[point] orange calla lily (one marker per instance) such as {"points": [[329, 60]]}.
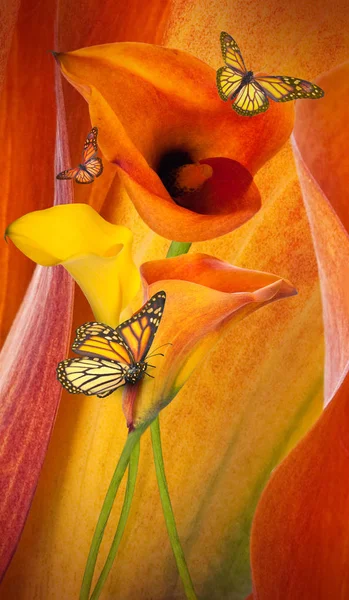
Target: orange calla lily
{"points": [[204, 295], [188, 165]]}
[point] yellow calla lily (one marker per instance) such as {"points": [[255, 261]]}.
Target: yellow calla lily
{"points": [[96, 253]]}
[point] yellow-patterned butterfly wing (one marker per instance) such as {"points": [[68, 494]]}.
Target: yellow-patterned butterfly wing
{"points": [[250, 93], [138, 332], [283, 88], [231, 53], [251, 100], [228, 82], [91, 376], [110, 357], [105, 344]]}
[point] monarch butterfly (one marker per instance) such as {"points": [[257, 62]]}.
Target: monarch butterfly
{"points": [[249, 93], [91, 165], [112, 357]]}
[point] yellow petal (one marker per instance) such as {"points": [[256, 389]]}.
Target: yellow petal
{"points": [[96, 253]]}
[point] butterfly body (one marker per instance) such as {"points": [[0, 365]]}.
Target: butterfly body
{"points": [[246, 79], [136, 372], [111, 358], [249, 92], [91, 166]]}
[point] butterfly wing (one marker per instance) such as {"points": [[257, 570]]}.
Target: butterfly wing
{"points": [[101, 341], [251, 100], [228, 82], [231, 53], [90, 146], [138, 332], [91, 376], [68, 174], [91, 328], [283, 88], [94, 166]]}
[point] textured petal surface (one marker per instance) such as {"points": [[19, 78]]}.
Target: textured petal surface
{"points": [[300, 532], [29, 393], [320, 138], [27, 131]]}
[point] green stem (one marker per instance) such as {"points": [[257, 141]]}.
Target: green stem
{"points": [[132, 440], [177, 248], [168, 512], [131, 483]]}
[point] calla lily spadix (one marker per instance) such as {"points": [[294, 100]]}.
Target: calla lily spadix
{"points": [[188, 165], [96, 253]]}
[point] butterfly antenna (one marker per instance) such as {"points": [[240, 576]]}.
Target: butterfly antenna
{"points": [[158, 348], [151, 376], [159, 354], [152, 366]]}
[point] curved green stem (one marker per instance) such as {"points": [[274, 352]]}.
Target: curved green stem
{"points": [[177, 248], [132, 440], [168, 512], [131, 484]]}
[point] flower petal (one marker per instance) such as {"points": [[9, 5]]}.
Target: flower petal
{"points": [[96, 253], [30, 396], [300, 531], [186, 123], [323, 167], [27, 140]]}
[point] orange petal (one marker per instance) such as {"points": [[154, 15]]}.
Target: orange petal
{"points": [[187, 123], [300, 531], [8, 21], [30, 396], [195, 284], [27, 143], [320, 134]]}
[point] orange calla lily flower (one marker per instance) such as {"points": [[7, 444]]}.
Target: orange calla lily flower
{"points": [[204, 295], [188, 165]]}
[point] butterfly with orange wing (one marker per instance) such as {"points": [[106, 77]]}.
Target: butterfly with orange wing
{"points": [[250, 93], [91, 165], [110, 358]]}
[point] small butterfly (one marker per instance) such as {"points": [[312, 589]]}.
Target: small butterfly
{"points": [[249, 93], [112, 357], [91, 165]]}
